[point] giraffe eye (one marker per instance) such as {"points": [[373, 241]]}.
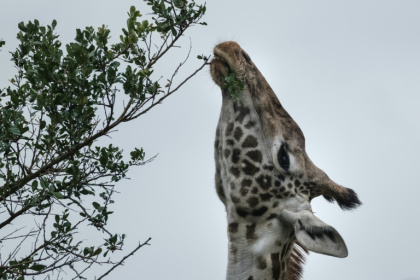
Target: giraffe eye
{"points": [[283, 158]]}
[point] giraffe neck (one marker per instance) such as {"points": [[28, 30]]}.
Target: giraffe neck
{"points": [[258, 250]]}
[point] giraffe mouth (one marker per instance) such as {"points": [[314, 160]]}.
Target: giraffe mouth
{"points": [[220, 60], [230, 58], [219, 69], [218, 57]]}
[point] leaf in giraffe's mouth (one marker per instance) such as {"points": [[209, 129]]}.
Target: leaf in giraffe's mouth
{"points": [[229, 81], [220, 59], [232, 84]]}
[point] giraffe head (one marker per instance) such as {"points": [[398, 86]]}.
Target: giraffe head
{"points": [[264, 170]]}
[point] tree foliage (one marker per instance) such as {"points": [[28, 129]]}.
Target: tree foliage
{"points": [[55, 179]]}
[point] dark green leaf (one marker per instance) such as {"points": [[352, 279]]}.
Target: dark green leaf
{"points": [[22, 26], [57, 195], [97, 252], [37, 267], [34, 185]]}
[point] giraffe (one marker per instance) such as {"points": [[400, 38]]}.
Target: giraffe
{"points": [[266, 180]]}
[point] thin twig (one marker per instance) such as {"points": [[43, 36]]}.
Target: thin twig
{"points": [[168, 94], [123, 259]]}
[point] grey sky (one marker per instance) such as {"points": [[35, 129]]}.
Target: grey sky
{"points": [[349, 74]]}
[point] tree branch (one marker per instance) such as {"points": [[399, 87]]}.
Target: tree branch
{"points": [[124, 258]]}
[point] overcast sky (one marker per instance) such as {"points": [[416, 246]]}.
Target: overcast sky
{"points": [[349, 74]]}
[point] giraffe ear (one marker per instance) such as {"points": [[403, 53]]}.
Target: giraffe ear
{"points": [[315, 235]]}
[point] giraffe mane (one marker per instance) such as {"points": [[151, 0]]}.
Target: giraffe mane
{"points": [[295, 262]]}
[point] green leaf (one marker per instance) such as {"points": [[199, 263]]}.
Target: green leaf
{"points": [[37, 267], [137, 154], [14, 130], [87, 251], [180, 4], [43, 183], [34, 185], [57, 195], [114, 64], [113, 239], [97, 252], [22, 26], [232, 84]]}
